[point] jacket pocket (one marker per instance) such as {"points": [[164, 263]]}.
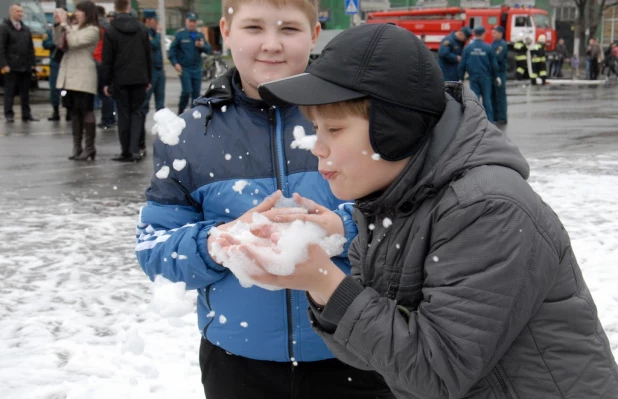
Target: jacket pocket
{"points": [[503, 388]]}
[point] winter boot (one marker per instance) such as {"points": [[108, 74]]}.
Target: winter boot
{"points": [[78, 128], [55, 116], [91, 130]]}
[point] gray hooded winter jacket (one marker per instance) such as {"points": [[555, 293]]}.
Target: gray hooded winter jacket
{"points": [[474, 290]]}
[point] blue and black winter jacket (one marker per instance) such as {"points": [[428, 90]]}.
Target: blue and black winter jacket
{"points": [[181, 209]]}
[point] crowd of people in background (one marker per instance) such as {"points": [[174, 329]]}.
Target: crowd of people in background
{"points": [[112, 61]]}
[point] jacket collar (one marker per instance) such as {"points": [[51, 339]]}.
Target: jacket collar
{"points": [[228, 89]]}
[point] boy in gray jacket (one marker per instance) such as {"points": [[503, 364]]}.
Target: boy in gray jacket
{"points": [[464, 282]]}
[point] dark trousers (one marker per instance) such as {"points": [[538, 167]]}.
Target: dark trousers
{"points": [[191, 83], [482, 87], [226, 376], [54, 94], [499, 99], [107, 103], [594, 69], [17, 82], [129, 101], [555, 68]]}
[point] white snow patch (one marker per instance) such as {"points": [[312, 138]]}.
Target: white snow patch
{"points": [[230, 11], [170, 299], [222, 319], [179, 164], [387, 223], [168, 126], [228, 157], [435, 259], [239, 186], [163, 172], [244, 324], [301, 140], [224, 108], [196, 114], [376, 156]]}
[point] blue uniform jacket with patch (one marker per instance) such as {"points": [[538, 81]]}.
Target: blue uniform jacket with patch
{"points": [[155, 45], [450, 49], [173, 227], [478, 60], [501, 50], [183, 50]]}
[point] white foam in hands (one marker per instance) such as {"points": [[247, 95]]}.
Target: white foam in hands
{"points": [[301, 140], [168, 126], [280, 258]]}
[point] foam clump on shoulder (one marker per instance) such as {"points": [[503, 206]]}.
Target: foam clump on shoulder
{"points": [[285, 246], [168, 126]]}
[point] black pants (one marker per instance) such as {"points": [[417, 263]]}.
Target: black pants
{"points": [[17, 82], [594, 69], [129, 101], [226, 376]]}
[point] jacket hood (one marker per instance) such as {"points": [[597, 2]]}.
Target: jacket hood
{"points": [[463, 139], [126, 23]]}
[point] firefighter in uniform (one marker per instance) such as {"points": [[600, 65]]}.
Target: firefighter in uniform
{"points": [[479, 61], [521, 59], [449, 53], [186, 56], [501, 52], [539, 61]]}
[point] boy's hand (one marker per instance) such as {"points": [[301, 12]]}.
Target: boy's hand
{"points": [[318, 214], [318, 274], [247, 217]]}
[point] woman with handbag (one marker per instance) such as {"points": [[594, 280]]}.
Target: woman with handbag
{"points": [[77, 77]]}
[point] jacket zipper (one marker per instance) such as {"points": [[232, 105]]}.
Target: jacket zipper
{"points": [[505, 389], [207, 296], [274, 116]]}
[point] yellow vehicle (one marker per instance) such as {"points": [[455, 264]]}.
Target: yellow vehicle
{"points": [[34, 19]]}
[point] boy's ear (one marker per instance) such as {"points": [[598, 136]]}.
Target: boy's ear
{"points": [[225, 30], [315, 34]]}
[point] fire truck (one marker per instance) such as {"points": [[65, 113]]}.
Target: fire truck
{"points": [[436, 23]]}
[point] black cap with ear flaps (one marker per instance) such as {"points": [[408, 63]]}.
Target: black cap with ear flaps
{"points": [[386, 63]]}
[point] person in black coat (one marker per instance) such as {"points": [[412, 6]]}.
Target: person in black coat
{"points": [[127, 71], [16, 63]]}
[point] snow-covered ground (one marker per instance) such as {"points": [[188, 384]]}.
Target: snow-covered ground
{"points": [[74, 305]]}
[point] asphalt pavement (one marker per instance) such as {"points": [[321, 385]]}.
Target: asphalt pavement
{"points": [[544, 121]]}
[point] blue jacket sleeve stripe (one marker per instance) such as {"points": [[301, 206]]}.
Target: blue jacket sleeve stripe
{"points": [[172, 242]]}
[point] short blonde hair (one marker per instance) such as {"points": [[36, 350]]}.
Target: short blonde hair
{"points": [[359, 107], [308, 7]]}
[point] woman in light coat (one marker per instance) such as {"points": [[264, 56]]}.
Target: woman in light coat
{"points": [[77, 76]]}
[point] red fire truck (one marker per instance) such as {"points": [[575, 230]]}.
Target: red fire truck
{"points": [[436, 23]]}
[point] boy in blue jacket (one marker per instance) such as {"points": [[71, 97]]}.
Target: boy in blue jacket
{"points": [[255, 343]]}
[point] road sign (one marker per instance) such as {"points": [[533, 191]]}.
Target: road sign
{"points": [[324, 16], [351, 7]]}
